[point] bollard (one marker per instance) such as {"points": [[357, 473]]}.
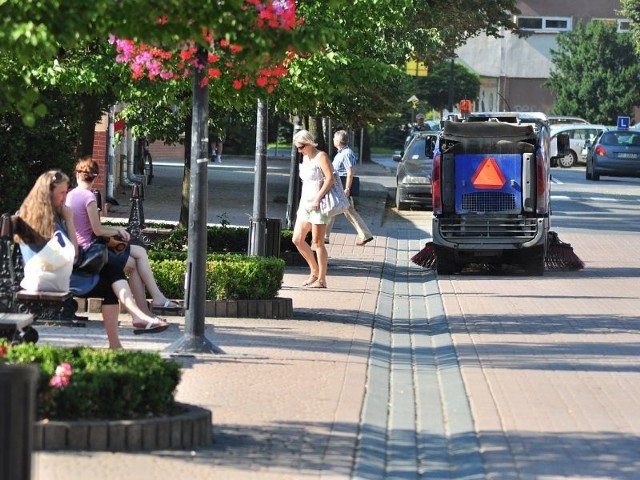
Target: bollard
{"points": [[17, 416]]}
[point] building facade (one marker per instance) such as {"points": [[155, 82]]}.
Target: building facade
{"points": [[512, 69]]}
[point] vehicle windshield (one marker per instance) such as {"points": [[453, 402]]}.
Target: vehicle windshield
{"points": [[621, 138], [422, 147]]}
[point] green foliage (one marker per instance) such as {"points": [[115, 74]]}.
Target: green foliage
{"points": [[631, 9], [219, 239], [596, 72], [228, 277], [27, 152], [104, 384], [466, 84]]}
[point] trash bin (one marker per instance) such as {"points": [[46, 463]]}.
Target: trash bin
{"points": [[274, 231], [17, 415]]}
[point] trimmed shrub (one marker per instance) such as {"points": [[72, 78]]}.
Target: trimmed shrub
{"points": [[100, 384], [228, 276]]}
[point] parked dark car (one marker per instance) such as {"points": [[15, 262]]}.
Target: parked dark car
{"points": [[413, 176], [615, 152]]}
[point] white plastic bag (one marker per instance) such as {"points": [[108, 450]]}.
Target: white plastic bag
{"points": [[50, 269]]}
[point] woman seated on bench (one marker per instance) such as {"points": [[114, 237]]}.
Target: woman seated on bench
{"points": [[133, 259], [42, 213]]}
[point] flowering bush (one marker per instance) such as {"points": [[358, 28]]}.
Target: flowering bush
{"points": [[86, 383], [154, 62]]}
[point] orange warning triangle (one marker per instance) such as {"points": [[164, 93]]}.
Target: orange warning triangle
{"points": [[488, 175]]}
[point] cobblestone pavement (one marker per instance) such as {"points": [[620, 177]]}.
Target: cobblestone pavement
{"points": [[393, 373]]}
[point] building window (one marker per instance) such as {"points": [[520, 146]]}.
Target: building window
{"points": [[544, 24], [624, 24]]}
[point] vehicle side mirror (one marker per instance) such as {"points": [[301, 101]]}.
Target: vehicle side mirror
{"points": [[563, 144], [397, 156]]}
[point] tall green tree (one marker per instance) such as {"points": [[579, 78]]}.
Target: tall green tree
{"points": [[435, 87], [631, 9], [596, 73]]}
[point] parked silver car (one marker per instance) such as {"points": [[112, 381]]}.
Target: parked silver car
{"points": [[578, 135], [616, 153], [413, 176]]}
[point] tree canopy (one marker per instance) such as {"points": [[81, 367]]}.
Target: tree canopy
{"points": [[596, 73]]}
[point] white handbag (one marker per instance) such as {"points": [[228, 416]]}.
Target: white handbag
{"points": [[334, 201]]}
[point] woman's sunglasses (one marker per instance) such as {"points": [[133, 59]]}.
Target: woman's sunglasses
{"points": [[56, 178]]}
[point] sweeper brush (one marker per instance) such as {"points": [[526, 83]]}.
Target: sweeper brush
{"points": [[560, 256]]}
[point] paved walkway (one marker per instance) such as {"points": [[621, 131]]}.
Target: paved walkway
{"points": [[391, 373]]}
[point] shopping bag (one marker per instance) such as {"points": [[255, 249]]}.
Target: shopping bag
{"points": [[50, 269]]}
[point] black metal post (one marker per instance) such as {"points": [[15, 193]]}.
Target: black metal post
{"points": [[451, 86], [293, 197], [259, 219], [193, 339]]}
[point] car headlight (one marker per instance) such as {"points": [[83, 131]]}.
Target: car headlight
{"points": [[416, 180]]}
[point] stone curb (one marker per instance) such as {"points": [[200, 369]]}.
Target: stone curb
{"points": [[190, 429]]}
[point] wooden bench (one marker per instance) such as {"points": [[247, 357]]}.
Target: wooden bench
{"points": [[49, 307]]}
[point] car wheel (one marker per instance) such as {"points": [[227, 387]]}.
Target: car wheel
{"points": [[587, 173], [595, 176], [400, 205], [569, 160]]}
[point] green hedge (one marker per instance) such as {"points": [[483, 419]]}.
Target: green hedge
{"points": [[220, 240], [104, 384], [229, 276]]}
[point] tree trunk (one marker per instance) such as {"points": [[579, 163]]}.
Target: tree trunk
{"points": [[365, 155], [90, 114], [315, 127]]}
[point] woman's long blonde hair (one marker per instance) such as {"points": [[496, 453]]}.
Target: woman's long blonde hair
{"points": [[37, 215]]}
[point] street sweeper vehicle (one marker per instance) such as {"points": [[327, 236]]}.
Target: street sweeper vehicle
{"points": [[491, 197]]}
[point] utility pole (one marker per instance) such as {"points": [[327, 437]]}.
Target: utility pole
{"points": [[258, 229], [451, 80], [294, 180], [193, 340]]}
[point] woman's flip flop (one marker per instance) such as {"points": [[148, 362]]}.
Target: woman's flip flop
{"points": [[156, 326], [168, 305]]}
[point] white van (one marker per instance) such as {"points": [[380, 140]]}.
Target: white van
{"points": [[578, 134]]}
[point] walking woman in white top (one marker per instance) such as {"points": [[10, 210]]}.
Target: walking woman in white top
{"points": [[316, 173]]}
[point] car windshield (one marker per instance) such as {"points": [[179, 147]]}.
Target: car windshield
{"points": [[422, 147], [621, 138]]}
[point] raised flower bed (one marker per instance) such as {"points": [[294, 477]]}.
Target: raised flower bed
{"points": [[94, 399]]}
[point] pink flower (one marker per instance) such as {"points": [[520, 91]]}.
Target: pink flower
{"points": [[64, 370], [59, 382], [62, 376]]}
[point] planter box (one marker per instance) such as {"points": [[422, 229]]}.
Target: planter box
{"points": [[191, 428], [271, 308]]}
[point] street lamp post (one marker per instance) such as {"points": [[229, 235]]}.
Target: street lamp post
{"points": [[193, 341]]}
